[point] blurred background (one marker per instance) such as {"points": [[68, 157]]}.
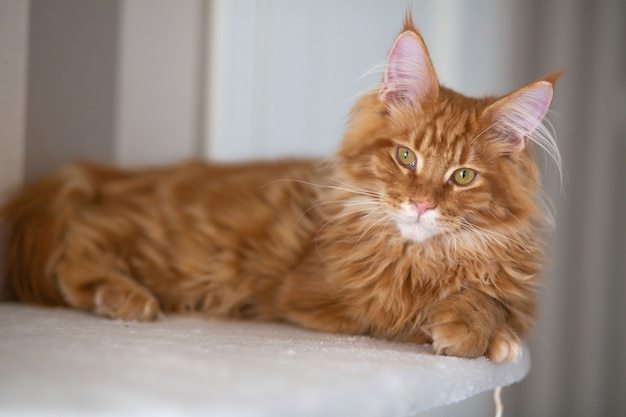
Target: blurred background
{"points": [[138, 82]]}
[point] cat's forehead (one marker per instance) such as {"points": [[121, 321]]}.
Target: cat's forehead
{"points": [[447, 132]]}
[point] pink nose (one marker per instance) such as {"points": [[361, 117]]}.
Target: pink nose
{"points": [[422, 207]]}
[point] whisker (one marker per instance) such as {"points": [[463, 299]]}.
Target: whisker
{"points": [[488, 128], [367, 213], [331, 187], [344, 203], [377, 69], [354, 187], [384, 218], [342, 215], [486, 235]]}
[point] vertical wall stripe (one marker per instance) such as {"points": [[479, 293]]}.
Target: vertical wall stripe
{"points": [[71, 83], [159, 81], [13, 65]]}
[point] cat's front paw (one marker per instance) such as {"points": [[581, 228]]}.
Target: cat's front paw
{"points": [[453, 335], [504, 346], [126, 302], [470, 328], [457, 337]]}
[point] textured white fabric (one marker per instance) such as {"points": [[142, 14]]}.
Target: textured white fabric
{"points": [[65, 362]]}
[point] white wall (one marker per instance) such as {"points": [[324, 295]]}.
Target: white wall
{"points": [[283, 74]]}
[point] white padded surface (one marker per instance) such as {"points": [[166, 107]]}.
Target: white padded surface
{"points": [[62, 362]]}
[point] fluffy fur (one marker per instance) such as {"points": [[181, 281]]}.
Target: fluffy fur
{"points": [[361, 243]]}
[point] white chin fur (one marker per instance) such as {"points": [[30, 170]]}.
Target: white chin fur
{"points": [[421, 230]]}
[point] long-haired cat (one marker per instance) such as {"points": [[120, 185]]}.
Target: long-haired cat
{"points": [[422, 227]]}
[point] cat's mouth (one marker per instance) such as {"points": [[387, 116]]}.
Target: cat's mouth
{"points": [[418, 227]]}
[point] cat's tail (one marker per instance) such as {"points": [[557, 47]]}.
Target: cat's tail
{"points": [[36, 222]]}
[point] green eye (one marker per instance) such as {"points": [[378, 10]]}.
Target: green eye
{"points": [[406, 157], [464, 176]]}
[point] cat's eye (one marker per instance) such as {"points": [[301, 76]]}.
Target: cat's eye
{"points": [[464, 176], [406, 157]]}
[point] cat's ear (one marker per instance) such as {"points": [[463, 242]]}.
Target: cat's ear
{"points": [[516, 116], [409, 74]]}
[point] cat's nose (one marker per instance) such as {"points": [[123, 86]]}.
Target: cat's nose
{"points": [[422, 207]]}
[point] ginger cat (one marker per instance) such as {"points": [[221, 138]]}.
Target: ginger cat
{"points": [[424, 226]]}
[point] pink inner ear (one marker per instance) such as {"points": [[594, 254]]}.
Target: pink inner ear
{"points": [[519, 115], [409, 74]]}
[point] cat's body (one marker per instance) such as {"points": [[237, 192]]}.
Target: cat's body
{"points": [[423, 227]]}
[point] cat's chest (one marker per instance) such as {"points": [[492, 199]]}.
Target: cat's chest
{"points": [[395, 289], [403, 269], [427, 271]]}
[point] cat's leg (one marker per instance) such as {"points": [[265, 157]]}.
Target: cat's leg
{"points": [[472, 324], [310, 304], [103, 289], [323, 315]]}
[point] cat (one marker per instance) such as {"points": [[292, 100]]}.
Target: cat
{"points": [[425, 226]]}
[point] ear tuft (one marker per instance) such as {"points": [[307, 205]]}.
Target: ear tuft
{"points": [[408, 24], [409, 74]]}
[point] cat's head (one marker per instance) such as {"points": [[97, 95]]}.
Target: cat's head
{"points": [[430, 161]]}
